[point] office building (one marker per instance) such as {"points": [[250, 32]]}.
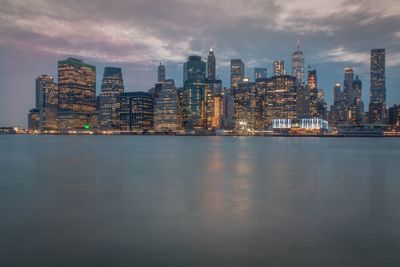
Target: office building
{"points": [[76, 94], [260, 73], [298, 64], [194, 77], [281, 98], [161, 73], [377, 105], [166, 108], [279, 68], [312, 84], [136, 111], [111, 88], [211, 66], [47, 102], [237, 72]]}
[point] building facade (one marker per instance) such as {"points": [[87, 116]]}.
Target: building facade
{"points": [[166, 109], [111, 88], [194, 77], [260, 73], [281, 98], [136, 111], [279, 68], [47, 102], [211, 66], [237, 72], [76, 94], [161, 73], [377, 105]]}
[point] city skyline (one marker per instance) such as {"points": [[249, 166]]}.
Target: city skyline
{"points": [[332, 43]]}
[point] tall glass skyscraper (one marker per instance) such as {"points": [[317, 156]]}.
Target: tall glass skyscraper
{"points": [[111, 88], [348, 86], [76, 94], [161, 73], [211, 66], [136, 111], [47, 102], [194, 78], [378, 86], [237, 72], [166, 108], [298, 64]]}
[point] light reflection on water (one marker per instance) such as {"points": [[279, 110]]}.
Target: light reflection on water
{"points": [[199, 201]]}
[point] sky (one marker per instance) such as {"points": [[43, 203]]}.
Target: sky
{"points": [[138, 34]]}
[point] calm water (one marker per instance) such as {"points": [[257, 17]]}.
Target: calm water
{"points": [[199, 201]]}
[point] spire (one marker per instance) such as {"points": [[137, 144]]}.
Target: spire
{"points": [[298, 42]]}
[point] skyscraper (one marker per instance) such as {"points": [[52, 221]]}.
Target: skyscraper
{"points": [[312, 84], [378, 86], [260, 73], [194, 79], [298, 64], [281, 98], [358, 104], [111, 88], [166, 108], [46, 102], [136, 111], [161, 73], [348, 86], [279, 68], [76, 94], [237, 72], [211, 66]]}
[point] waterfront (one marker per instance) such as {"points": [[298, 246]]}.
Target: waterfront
{"points": [[199, 201]]}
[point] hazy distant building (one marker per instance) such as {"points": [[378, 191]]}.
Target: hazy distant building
{"points": [[211, 66], [357, 114], [237, 72], [76, 94], [166, 108], [161, 73], [279, 68], [111, 88], [136, 111], [377, 105], [194, 79], [47, 102], [260, 73], [298, 64]]}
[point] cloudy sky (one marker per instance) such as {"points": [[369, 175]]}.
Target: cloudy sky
{"points": [[137, 34]]}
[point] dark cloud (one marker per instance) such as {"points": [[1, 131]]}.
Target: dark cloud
{"points": [[136, 35]]}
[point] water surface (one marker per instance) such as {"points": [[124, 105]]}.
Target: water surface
{"points": [[199, 201]]}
